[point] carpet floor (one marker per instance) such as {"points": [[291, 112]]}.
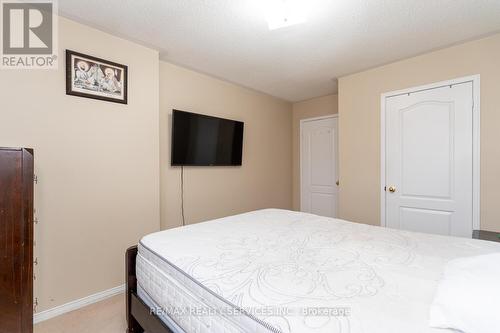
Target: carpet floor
{"points": [[107, 316]]}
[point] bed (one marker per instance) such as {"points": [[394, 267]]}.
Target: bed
{"points": [[281, 271]]}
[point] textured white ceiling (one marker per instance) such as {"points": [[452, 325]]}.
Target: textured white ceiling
{"points": [[230, 39]]}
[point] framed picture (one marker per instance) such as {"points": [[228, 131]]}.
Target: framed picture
{"points": [[91, 77]]}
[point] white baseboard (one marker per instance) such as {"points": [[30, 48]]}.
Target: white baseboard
{"points": [[77, 304]]}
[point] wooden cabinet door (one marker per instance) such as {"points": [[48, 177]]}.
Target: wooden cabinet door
{"points": [[16, 241]]}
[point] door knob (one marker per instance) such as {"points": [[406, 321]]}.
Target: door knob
{"points": [[392, 189], [337, 182]]}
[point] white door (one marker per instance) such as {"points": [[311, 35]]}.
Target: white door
{"points": [[318, 154], [429, 160]]}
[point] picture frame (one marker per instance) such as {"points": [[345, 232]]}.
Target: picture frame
{"points": [[96, 78]]}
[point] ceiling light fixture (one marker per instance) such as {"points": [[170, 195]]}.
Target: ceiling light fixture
{"points": [[284, 13]]}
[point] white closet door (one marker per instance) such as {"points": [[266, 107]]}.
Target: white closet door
{"points": [[319, 166], [429, 156]]}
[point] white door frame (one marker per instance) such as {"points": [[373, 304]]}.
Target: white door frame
{"points": [[302, 121], [476, 128]]}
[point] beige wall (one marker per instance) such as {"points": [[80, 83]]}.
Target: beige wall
{"points": [[265, 178], [316, 107], [359, 119], [97, 163]]}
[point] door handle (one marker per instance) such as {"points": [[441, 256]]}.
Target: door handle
{"points": [[337, 182], [392, 189]]}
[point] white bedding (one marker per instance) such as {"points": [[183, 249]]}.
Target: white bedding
{"points": [[283, 261]]}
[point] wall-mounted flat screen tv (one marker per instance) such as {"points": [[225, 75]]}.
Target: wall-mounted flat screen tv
{"points": [[200, 140]]}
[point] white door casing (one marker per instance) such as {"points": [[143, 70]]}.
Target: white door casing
{"points": [[431, 159], [319, 165]]}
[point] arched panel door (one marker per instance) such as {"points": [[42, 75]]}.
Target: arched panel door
{"points": [[319, 166], [429, 161]]}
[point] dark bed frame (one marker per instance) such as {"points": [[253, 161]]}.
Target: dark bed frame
{"points": [[140, 318]]}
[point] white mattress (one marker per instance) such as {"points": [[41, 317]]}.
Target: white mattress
{"points": [[274, 264]]}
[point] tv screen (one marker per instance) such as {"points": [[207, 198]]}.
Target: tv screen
{"points": [[204, 140]]}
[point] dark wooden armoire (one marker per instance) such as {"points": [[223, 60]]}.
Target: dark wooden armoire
{"points": [[16, 240]]}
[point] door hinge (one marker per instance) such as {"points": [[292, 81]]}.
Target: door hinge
{"points": [[35, 179]]}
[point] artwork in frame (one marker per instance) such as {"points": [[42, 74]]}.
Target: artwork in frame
{"points": [[92, 77]]}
